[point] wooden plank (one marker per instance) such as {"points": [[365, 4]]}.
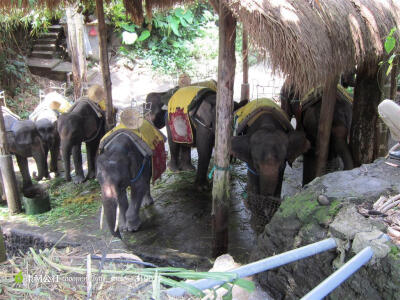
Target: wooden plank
{"points": [[226, 76], [325, 124]]}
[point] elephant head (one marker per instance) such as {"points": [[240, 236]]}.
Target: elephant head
{"points": [[266, 153], [47, 131]]}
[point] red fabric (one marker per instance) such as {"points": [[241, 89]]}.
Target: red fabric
{"points": [[92, 32], [159, 160], [181, 129]]}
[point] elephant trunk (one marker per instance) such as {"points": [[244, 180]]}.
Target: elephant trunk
{"points": [[40, 158], [269, 179]]}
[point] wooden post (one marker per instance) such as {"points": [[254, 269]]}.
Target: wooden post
{"points": [[77, 49], [363, 134], [245, 92], [226, 77], [325, 124], [7, 172], [3, 256], [105, 68]]}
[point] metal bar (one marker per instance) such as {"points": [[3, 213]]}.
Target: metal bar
{"points": [[263, 265], [333, 281]]}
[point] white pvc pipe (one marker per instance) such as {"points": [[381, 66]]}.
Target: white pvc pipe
{"points": [[333, 281], [262, 265]]}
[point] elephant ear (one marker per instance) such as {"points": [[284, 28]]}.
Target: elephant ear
{"points": [[298, 144], [241, 148]]}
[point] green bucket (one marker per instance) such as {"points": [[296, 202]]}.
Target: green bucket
{"points": [[37, 205]]}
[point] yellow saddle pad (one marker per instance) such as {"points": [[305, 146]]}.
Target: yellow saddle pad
{"points": [[183, 97], [246, 115], [147, 132]]}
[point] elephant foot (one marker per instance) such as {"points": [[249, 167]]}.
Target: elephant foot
{"points": [[79, 179], [202, 186], [187, 167], [147, 200], [90, 175], [133, 226], [31, 191], [173, 167], [68, 178]]}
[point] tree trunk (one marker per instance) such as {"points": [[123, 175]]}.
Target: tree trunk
{"points": [[7, 172], [77, 49], [364, 133], [245, 92], [325, 124], [105, 68], [224, 106]]}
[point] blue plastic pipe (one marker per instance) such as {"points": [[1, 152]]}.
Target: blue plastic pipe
{"points": [[262, 265], [333, 281]]}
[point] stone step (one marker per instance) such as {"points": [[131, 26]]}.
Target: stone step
{"points": [[50, 35], [55, 28], [45, 47], [43, 54], [42, 41]]}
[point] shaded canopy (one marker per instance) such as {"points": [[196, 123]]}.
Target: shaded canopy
{"points": [[310, 40]]}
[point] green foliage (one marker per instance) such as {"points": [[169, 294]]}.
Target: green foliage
{"points": [[167, 40], [390, 45]]}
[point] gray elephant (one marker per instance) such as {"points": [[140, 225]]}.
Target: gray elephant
{"points": [[84, 122], [126, 160], [45, 117], [266, 141], [307, 112], [201, 118], [24, 141]]}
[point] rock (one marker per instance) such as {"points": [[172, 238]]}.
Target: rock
{"points": [[348, 222], [376, 239], [323, 200]]}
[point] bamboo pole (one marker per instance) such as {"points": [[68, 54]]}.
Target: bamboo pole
{"points": [[325, 124], [7, 172], [245, 92], [224, 106], [105, 68]]}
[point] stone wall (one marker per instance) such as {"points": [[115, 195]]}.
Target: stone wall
{"points": [[302, 220]]}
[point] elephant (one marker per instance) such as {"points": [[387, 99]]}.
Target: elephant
{"points": [[307, 112], [84, 122], [24, 141], [45, 117], [266, 142], [129, 158], [202, 120]]}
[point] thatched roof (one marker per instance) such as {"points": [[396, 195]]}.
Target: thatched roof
{"points": [[315, 40], [310, 40]]}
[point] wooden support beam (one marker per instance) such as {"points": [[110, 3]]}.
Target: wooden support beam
{"points": [[7, 172], [105, 68], [224, 107], [325, 124], [364, 134], [245, 92]]}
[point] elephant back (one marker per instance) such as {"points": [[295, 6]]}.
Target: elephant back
{"points": [[10, 118], [248, 114]]}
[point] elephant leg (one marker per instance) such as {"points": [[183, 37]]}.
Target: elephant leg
{"points": [[147, 199], [205, 142], [77, 155], [27, 186], [309, 167], [341, 147], [40, 157], [66, 156], [174, 150], [91, 158], [54, 152], [138, 192], [123, 207], [185, 161]]}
